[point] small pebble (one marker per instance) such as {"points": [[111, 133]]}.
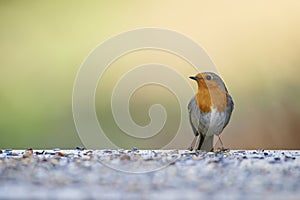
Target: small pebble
{"points": [[124, 157], [289, 158], [213, 160], [54, 161], [62, 154], [29, 150], [39, 152], [210, 153], [258, 157], [80, 148], [11, 153], [134, 149], [49, 153], [28, 153], [44, 159], [90, 152], [25, 161], [148, 159], [154, 152], [197, 157], [172, 162]]}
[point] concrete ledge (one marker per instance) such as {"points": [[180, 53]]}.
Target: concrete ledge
{"points": [[148, 174]]}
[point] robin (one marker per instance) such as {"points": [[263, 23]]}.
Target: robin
{"points": [[209, 110]]}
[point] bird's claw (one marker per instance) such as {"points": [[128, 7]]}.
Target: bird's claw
{"points": [[190, 149], [221, 150]]}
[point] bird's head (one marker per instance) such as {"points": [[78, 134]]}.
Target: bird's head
{"points": [[208, 80]]}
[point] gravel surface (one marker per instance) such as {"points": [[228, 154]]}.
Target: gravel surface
{"points": [[149, 174]]}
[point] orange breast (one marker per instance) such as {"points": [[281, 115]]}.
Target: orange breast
{"points": [[213, 97]]}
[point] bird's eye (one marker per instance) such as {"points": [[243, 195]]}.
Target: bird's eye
{"points": [[208, 77]]}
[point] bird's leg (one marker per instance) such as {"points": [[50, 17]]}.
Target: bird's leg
{"points": [[222, 148], [221, 141], [191, 148], [201, 140]]}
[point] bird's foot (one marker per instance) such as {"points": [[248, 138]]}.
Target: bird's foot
{"points": [[190, 149], [221, 150]]}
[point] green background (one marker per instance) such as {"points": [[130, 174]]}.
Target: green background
{"points": [[255, 45]]}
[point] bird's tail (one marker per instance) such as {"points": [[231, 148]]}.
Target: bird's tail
{"points": [[207, 143]]}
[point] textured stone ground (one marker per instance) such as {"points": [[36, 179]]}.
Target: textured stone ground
{"points": [[149, 174]]}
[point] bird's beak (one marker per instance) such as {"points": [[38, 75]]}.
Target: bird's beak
{"points": [[194, 78]]}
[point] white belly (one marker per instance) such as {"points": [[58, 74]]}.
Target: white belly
{"points": [[216, 122]]}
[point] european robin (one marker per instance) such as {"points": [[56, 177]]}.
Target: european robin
{"points": [[209, 110]]}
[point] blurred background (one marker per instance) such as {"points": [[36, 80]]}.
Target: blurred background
{"points": [[254, 44]]}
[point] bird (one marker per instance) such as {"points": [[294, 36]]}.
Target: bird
{"points": [[209, 110]]}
